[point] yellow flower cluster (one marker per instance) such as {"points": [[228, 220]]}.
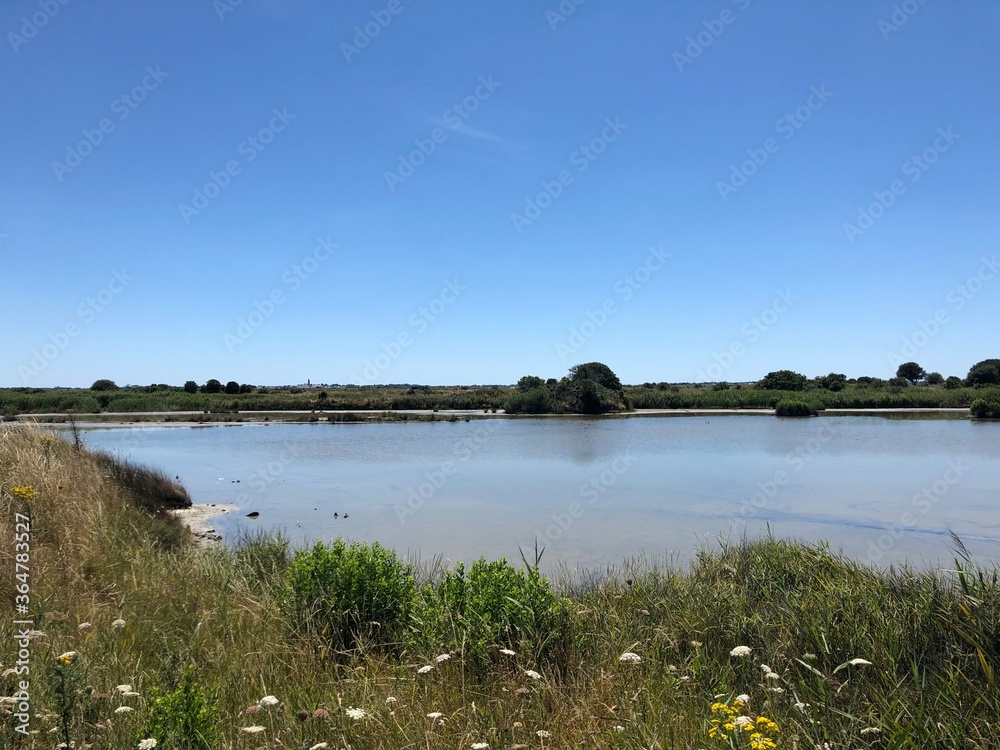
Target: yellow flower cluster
{"points": [[66, 659], [729, 719], [24, 493]]}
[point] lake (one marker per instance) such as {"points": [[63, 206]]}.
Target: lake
{"points": [[595, 491]]}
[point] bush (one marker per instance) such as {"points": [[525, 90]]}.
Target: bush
{"points": [[353, 595], [186, 719], [493, 606], [983, 409], [953, 382], [789, 408], [783, 380]]}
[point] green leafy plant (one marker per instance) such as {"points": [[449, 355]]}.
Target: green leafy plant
{"points": [[490, 606], [185, 719], [790, 408], [356, 594]]}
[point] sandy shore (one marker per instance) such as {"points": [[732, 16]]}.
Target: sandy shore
{"points": [[198, 518]]}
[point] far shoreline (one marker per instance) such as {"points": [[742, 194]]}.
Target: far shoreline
{"points": [[112, 420]]}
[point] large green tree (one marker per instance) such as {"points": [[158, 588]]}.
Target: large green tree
{"points": [[783, 380], [212, 386], [986, 372], [911, 371], [104, 385]]}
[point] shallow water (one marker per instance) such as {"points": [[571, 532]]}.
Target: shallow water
{"points": [[593, 492]]}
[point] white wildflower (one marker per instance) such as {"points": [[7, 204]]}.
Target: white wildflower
{"points": [[741, 721], [442, 657], [743, 698], [508, 652], [776, 690], [543, 734], [870, 730], [124, 710], [772, 676], [696, 644], [267, 701], [147, 744], [118, 624], [480, 745], [425, 669], [765, 669], [741, 651], [319, 746], [356, 713], [629, 658], [435, 715], [256, 729], [124, 688], [618, 728], [390, 699]]}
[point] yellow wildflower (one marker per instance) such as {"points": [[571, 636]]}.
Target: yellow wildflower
{"points": [[24, 493]]}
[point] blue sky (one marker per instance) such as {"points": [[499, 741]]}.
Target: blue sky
{"points": [[409, 191]]}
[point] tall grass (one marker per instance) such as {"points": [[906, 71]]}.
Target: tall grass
{"points": [[201, 637]]}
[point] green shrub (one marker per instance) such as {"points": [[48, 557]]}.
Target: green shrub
{"points": [[789, 408], [783, 380], [352, 595], [492, 606], [186, 719], [983, 409]]}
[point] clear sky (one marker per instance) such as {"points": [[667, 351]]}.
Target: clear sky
{"points": [[430, 192]]}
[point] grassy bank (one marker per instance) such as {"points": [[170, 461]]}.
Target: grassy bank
{"points": [[141, 634]]}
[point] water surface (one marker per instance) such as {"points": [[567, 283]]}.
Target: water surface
{"points": [[596, 491]]}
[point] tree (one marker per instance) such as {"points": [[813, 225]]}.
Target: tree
{"points": [[934, 378], [212, 386], [953, 382], [190, 386], [911, 371], [232, 387], [246, 388], [783, 380], [598, 372], [833, 382], [899, 382], [104, 385], [529, 382], [986, 372]]}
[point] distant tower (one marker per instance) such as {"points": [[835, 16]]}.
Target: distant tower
{"points": [[308, 383]]}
